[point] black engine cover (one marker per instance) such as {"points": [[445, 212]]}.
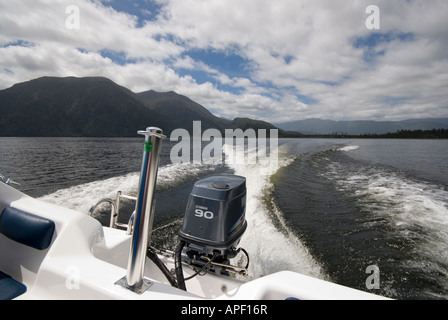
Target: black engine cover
{"points": [[215, 215]]}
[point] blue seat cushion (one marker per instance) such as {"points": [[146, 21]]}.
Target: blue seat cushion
{"points": [[26, 228], [10, 288]]}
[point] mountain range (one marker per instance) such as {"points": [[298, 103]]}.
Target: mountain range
{"points": [[98, 107]]}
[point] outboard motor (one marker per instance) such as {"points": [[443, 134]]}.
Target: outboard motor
{"points": [[213, 225]]}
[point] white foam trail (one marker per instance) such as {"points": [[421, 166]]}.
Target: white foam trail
{"points": [[270, 249], [413, 203], [348, 148], [416, 209], [83, 197], [408, 202]]}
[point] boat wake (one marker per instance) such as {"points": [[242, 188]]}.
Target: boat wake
{"points": [[82, 197], [271, 244], [409, 217], [414, 210], [348, 148]]}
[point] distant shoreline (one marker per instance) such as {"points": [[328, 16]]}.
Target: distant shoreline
{"points": [[400, 134]]}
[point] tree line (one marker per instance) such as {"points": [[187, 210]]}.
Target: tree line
{"points": [[412, 134], [400, 134]]}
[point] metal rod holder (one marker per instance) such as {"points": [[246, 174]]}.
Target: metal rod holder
{"points": [[143, 219]]}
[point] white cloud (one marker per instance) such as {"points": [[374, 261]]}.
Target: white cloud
{"points": [[309, 46], [301, 56]]}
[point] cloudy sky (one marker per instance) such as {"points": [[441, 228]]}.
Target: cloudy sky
{"points": [[276, 60]]}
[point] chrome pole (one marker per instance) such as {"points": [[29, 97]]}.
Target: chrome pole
{"points": [[143, 220]]}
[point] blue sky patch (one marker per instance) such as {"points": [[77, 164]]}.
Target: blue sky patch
{"points": [[19, 43], [230, 64], [225, 62], [8, 71], [118, 57], [376, 38], [144, 10], [306, 99], [371, 43]]}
